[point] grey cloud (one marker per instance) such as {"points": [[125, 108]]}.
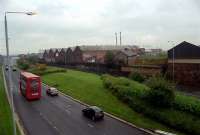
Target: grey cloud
{"points": [[62, 23]]}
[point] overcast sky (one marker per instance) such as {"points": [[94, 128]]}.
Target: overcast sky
{"points": [[63, 23]]}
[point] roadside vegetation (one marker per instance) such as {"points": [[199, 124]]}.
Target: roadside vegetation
{"points": [[41, 69], [5, 112], [90, 89], [146, 59], [152, 104], [159, 101]]}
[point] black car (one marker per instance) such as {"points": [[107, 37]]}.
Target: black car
{"points": [[14, 69], [7, 67], [51, 91], [93, 112]]}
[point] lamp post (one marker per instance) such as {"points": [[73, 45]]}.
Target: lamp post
{"points": [[172, 59], [9, 64]]}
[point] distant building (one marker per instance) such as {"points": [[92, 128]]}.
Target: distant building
{"points": [[153, 51], [125, 57], [89, 53], [184, 63]]}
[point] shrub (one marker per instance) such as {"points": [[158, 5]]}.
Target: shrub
{"points": [[168, 116], [136, 76], [161, 92], [24, 66], [187, 104], [39, 72], [41, 67]]}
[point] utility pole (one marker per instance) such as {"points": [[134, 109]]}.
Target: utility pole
{"points": [[9, 67], [9, 77], [120, 38], [173, 58], [116, 38]]}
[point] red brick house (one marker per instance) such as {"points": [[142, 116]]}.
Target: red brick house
{"points": [[56, 55], [52, 55], [80, 54], [125, 57], [184, 64], [46, 56], [69, 56], [61, 56], [96, 54], [77, 55]]}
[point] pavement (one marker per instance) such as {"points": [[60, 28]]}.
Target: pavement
{"points": [[62, 116]]}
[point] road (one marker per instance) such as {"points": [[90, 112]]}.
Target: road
{"points": [[62, 116]]}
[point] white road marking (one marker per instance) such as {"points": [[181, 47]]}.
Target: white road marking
{"points": [[90, 125], [68, 106], [67, 111], [50, 123], [60, 106]]}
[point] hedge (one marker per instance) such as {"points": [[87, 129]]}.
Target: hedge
{"points": [[44, 72], [187, 103], [173, 117]]}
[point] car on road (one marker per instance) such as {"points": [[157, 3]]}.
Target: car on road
{"points": [[51, 91], [14, 69], [7, 67], [93, 112]]}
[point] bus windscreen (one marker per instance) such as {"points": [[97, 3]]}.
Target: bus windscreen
{"points": [[34, 86]]}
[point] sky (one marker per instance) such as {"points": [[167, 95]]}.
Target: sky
{"points": [[65, 23]]}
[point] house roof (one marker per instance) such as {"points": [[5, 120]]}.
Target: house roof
{"points": [[128, 52], [184, 50], [96, 48], [105, 47]]}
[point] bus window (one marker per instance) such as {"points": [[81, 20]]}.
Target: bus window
{"points": [[34, 85], [23, 85]]}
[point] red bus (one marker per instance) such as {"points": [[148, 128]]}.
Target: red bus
{"points": [[30, 86]]}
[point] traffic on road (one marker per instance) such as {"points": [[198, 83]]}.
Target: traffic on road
{"points": [[61, 115]]}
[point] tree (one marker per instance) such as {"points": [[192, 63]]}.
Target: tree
{"points": [[161, 93], [109, 58]]}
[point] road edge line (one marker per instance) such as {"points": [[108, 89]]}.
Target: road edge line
{"points": [[17, 120], [108, 114]]}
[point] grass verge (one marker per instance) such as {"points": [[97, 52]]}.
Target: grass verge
{"points": [[5, 112], [89, 88]]}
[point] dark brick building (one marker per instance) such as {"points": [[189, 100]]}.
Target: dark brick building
{"points": [[184, 63]]}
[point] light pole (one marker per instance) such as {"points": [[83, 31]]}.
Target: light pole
{"points": [[172, 59], [9, 64]]}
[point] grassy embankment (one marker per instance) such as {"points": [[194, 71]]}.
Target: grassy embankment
{"points": [[89, 88], [6, 127]]}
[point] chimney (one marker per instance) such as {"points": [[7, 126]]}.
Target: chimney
{"points": [[120, 38], [116, 37]]}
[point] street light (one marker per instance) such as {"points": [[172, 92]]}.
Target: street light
{"points": [[172, 58], [9, 64]]}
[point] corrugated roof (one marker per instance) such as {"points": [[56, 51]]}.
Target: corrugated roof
{"points": [[184, 50], [105, 47], [128, 52]]}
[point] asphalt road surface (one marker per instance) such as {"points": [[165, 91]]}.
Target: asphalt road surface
{"points": [[62, 116]]}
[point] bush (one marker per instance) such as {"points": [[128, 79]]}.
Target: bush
{"points": [[136, 76], [177, 119], [161, 92], [39, 72], [187, 104], [168, 116], [41, 67]]}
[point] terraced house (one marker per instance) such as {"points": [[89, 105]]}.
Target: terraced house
{"points": [[184, 63], [91, 54]]}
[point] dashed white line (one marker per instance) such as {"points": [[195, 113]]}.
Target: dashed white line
{"points": [[67, 111], [50, 123], [90, 125]]}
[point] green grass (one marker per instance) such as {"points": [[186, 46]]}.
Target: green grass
{"points": [[89, 88], [5, 112]]}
